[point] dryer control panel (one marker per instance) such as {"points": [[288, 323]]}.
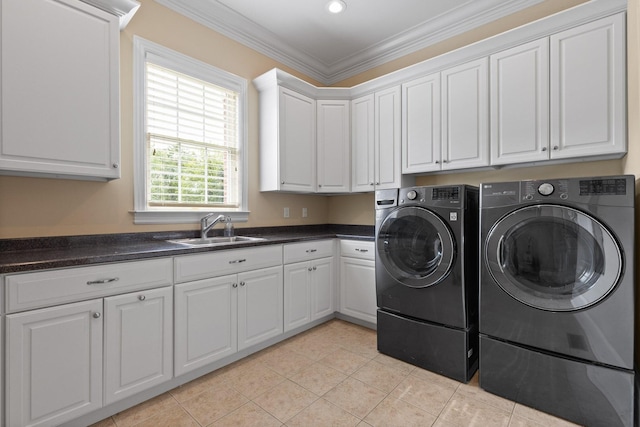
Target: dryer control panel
{"points": [[446, 196], [605, 191]]}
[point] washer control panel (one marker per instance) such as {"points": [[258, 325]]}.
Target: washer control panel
{"points": [[542, 190]]}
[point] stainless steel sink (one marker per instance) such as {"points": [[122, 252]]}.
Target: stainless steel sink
{"points": [[216, 241]]}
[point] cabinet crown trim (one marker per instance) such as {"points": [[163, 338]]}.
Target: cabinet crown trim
{"points": [[123, 9]]}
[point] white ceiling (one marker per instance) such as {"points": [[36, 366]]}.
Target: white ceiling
{"points": [[304, 36]]}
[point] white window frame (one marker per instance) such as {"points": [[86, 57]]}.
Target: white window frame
{"points": [[144, 50]]}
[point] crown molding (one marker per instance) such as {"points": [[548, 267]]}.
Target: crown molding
{"points": [[123, 9], [544, 27], [224, 20]]}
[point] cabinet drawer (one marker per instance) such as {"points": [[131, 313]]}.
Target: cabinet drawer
{"points": [[357, 249], [219, 263], [45, 288], [296, 252]]}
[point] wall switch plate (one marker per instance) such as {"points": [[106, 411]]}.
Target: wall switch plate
{"points": [[286, 212], [304, 212]]}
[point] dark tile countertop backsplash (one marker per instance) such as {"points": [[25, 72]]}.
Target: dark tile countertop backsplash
{"points": [[17, 255]]}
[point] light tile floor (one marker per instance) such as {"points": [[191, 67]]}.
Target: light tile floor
{"points": [[331, 375]]}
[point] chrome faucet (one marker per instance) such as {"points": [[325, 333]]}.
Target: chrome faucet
{"points": [[205, 227]]}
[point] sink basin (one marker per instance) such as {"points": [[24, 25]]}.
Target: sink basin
{"points": [[215, 241]]}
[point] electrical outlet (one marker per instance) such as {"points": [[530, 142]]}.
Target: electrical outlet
{"points": [[304, 212], [286, 212]]}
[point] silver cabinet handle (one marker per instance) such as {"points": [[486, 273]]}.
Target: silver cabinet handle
{"points": [[235, 285], [362, 250], [437, 162], [444, 161], [310, 251], [96, 315], [555, 147], [309, 269], [102, 281], [314, 268], [236, 261], [242, 283], [142, 297], [544, 148]]}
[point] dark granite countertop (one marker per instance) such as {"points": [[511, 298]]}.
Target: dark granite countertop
{"points": [[19, 255]]}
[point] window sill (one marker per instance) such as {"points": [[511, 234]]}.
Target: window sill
{"points": [[183, 217]]}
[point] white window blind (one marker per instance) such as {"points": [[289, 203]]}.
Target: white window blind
{"points": [[192, 137]]}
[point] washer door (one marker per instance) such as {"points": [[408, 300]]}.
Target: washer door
{"points": [[415, 246], [553, 258]]}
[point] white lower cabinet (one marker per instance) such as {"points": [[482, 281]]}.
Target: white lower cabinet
{"points": [[308, 292], [259, 306], [205, 322], [217, 316], [54, 364], [71, 358], [309, 284], [358, 280], [138, 342]]}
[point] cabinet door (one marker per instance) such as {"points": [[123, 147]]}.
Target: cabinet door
{"points": [[358, 288], [138, 342], [588, 89], [60, 92], [387, 138], [421, 125], [206, 325], [297, 130], [260, 309], [520, 104], [362, 144], [465, 115], [322, 288], [54, 364], [333, 152], [297, 295]]}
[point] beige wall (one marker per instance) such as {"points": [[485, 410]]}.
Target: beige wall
{"points": [[31, 207]]}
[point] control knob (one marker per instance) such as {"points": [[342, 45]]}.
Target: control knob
{"points": [[411, 195], [546, 189]]}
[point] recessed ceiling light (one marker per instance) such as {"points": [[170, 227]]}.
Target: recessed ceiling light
{"points": [[336, 6]]}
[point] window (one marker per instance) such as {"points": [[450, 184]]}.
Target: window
{"points": [[190, 135]]}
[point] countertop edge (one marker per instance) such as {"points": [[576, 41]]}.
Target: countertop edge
{"points": [[90, 251]]}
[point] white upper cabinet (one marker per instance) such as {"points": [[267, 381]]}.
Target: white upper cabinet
{"points": [[333, 149], [421, 125], [375, 141], [60, 108], [588, 89], [520, 104], [296, 142], [543, 92], [362, 144], [465, 115], [388, 124]]}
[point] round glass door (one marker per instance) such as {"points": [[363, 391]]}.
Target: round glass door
{"points": [[415, 246], [553, 258]]}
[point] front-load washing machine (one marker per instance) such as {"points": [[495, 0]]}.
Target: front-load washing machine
{"points": [[427, 277], [557, 296]]}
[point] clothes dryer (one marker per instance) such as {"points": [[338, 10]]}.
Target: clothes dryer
{"points": [[427, 277], [557, 296]]}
